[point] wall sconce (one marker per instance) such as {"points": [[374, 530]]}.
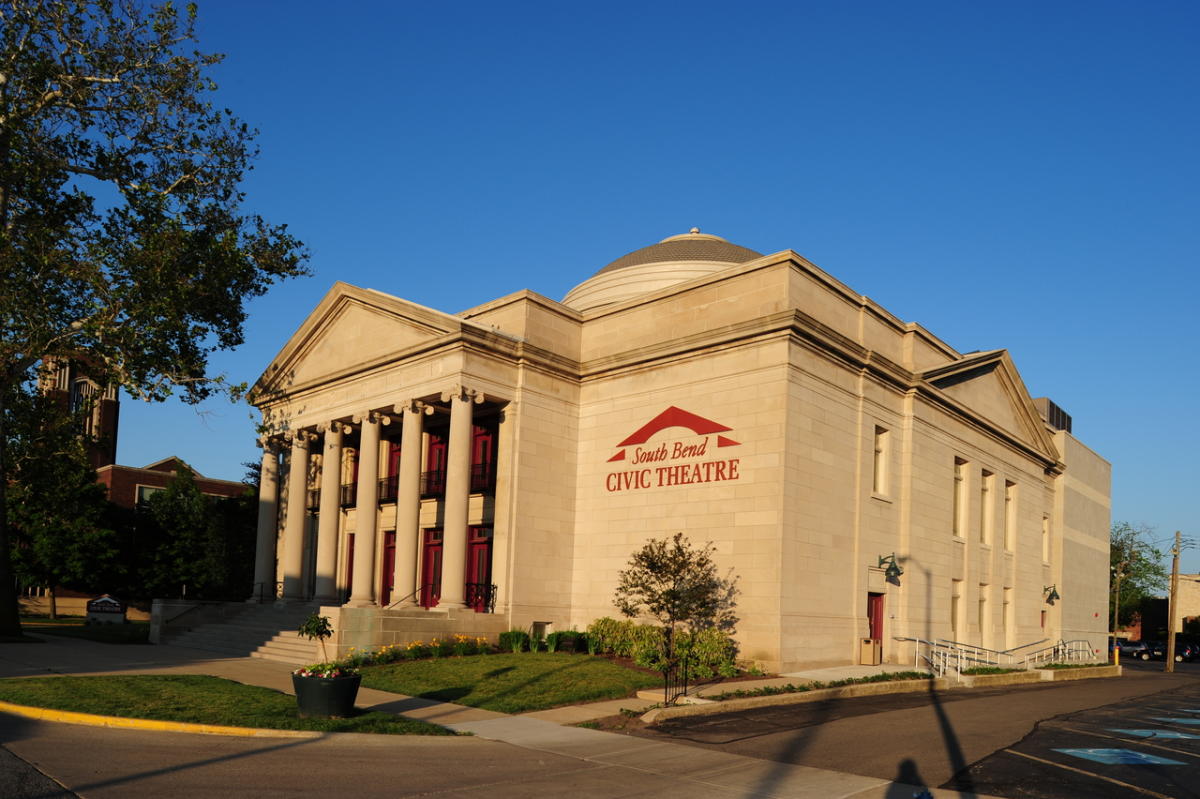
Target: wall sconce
{"points": [[893, 572], [1051, 592]]}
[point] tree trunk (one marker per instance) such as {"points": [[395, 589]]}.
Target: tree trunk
{"points": [[10, 621], [53, 594]]}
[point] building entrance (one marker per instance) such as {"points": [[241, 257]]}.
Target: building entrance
{"points": [[479, 569], [431, 569], [387, 582]]}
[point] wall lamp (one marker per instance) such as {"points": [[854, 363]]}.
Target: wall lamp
{"points": [[893, 572], [1051, 592]]}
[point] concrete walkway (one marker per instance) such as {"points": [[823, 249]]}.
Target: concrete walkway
{"points": [[708, 773]]}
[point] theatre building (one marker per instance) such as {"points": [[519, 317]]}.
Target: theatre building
{"points": [[428, 472]]}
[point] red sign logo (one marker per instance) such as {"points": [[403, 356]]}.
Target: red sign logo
{"points": [[680, 457]]}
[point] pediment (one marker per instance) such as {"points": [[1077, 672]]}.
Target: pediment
{"points": [[989, 385], [351, 327]]}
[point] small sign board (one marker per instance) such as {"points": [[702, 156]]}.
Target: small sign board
{"points": [[105, 609]]}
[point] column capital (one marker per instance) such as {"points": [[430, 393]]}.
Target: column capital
{"points": [[301, 436], [459, 391], [269, 443], [413, 406], [334, 426], [374, 417]]}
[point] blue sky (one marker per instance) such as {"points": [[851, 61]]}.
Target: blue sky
{"points": [[1020, 175]]}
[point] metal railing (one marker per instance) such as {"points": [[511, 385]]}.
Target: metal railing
{"points": [[389, 488], [942, 656], [481, 597], [1077, 651]]}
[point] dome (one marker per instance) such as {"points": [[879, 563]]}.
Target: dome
{"points": [[673, 260]]}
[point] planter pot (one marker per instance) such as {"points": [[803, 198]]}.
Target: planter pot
{"points": [[326, 697]]}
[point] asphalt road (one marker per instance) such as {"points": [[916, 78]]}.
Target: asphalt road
{"points": [[959, 738]]}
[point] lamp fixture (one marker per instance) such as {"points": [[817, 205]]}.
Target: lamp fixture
{"points": [[1051, 592], [893, 572]]}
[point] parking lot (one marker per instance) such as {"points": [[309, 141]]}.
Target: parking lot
{"points": [[1149, 746], [1139, 735]]}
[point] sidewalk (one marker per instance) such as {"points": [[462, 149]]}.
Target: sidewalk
{"points": [[715, 773]]}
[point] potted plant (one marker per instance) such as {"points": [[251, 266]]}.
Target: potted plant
{"points": [[324, 690]]}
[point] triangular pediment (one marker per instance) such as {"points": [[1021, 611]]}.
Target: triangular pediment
{"points": [[988, 384], [351, 327]]}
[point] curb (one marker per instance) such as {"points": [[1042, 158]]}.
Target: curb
{"points": [[1034, 676], [732, 705], [117, 722]]}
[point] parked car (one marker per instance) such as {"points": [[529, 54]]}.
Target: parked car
{"points": [[1136, 649], [1183, 651]]}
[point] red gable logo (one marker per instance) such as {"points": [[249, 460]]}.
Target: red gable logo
{"points": [[682, 463], [675, 417]]}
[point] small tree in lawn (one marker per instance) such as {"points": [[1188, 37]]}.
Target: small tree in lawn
{"points": [[678, 585]]}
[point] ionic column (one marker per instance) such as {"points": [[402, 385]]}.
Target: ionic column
{"points": [[293, 525], [362, 588], [329, 513], [268, 523], [458, 491], [408, 501]]}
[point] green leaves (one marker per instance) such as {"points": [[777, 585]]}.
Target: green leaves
{"points": [[676, 583], [1133, 555]]}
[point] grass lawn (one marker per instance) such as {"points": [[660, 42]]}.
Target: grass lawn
{"points": [[193, 698], [511, 683], [135, 632]]}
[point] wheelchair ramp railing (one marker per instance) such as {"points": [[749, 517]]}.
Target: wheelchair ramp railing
{"points": [[941, 656]]}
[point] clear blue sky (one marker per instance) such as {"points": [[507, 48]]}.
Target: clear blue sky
{"points": [[1019, 174]]}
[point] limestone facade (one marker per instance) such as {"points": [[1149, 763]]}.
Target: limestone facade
{"points": [[528, 447]]}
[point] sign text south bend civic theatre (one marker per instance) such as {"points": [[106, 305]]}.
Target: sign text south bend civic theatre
{"points": [[676, 474]]}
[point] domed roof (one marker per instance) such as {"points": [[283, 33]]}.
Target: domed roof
{"points": [[673, 260]]}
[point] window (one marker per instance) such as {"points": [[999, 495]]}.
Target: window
{"points": [[985, 621], [960, 497], [1010, 515], [1045, 539], [145, 492], [1006, 619], [880, 480], [985, 507], [955, 609]]}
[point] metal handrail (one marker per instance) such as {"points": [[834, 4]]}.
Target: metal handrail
{"points": [[942, 655], [412, 595]]}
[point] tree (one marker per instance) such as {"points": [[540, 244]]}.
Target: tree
{"points": [[123, 244], [1136, 569], [677, 585], [58, 512], [195, 545]]}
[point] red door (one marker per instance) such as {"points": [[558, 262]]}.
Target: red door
{"points": [[389, 567], [349, 563], [875, 615], [435, 466], [483, 459], [431, 569], [479, 568]]}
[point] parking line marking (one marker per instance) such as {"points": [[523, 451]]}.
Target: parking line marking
{"points": [[1064, 766], [1120, 757], [1140, 742], [1171, 734]]}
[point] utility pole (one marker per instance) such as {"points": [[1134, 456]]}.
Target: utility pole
{"points": [[1121, 567], [1171, 606]]}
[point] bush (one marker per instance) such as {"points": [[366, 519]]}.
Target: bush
{"points": [[514, 640], [709, 653], [564, 641]]}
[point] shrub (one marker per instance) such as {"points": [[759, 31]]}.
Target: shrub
{"points": [[709, 653], [563, 641], [514, 640]]}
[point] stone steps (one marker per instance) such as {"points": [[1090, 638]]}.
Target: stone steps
{"points": [[263, 631]]}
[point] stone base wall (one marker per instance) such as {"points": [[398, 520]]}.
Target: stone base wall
{"points": [[372, 628]]}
